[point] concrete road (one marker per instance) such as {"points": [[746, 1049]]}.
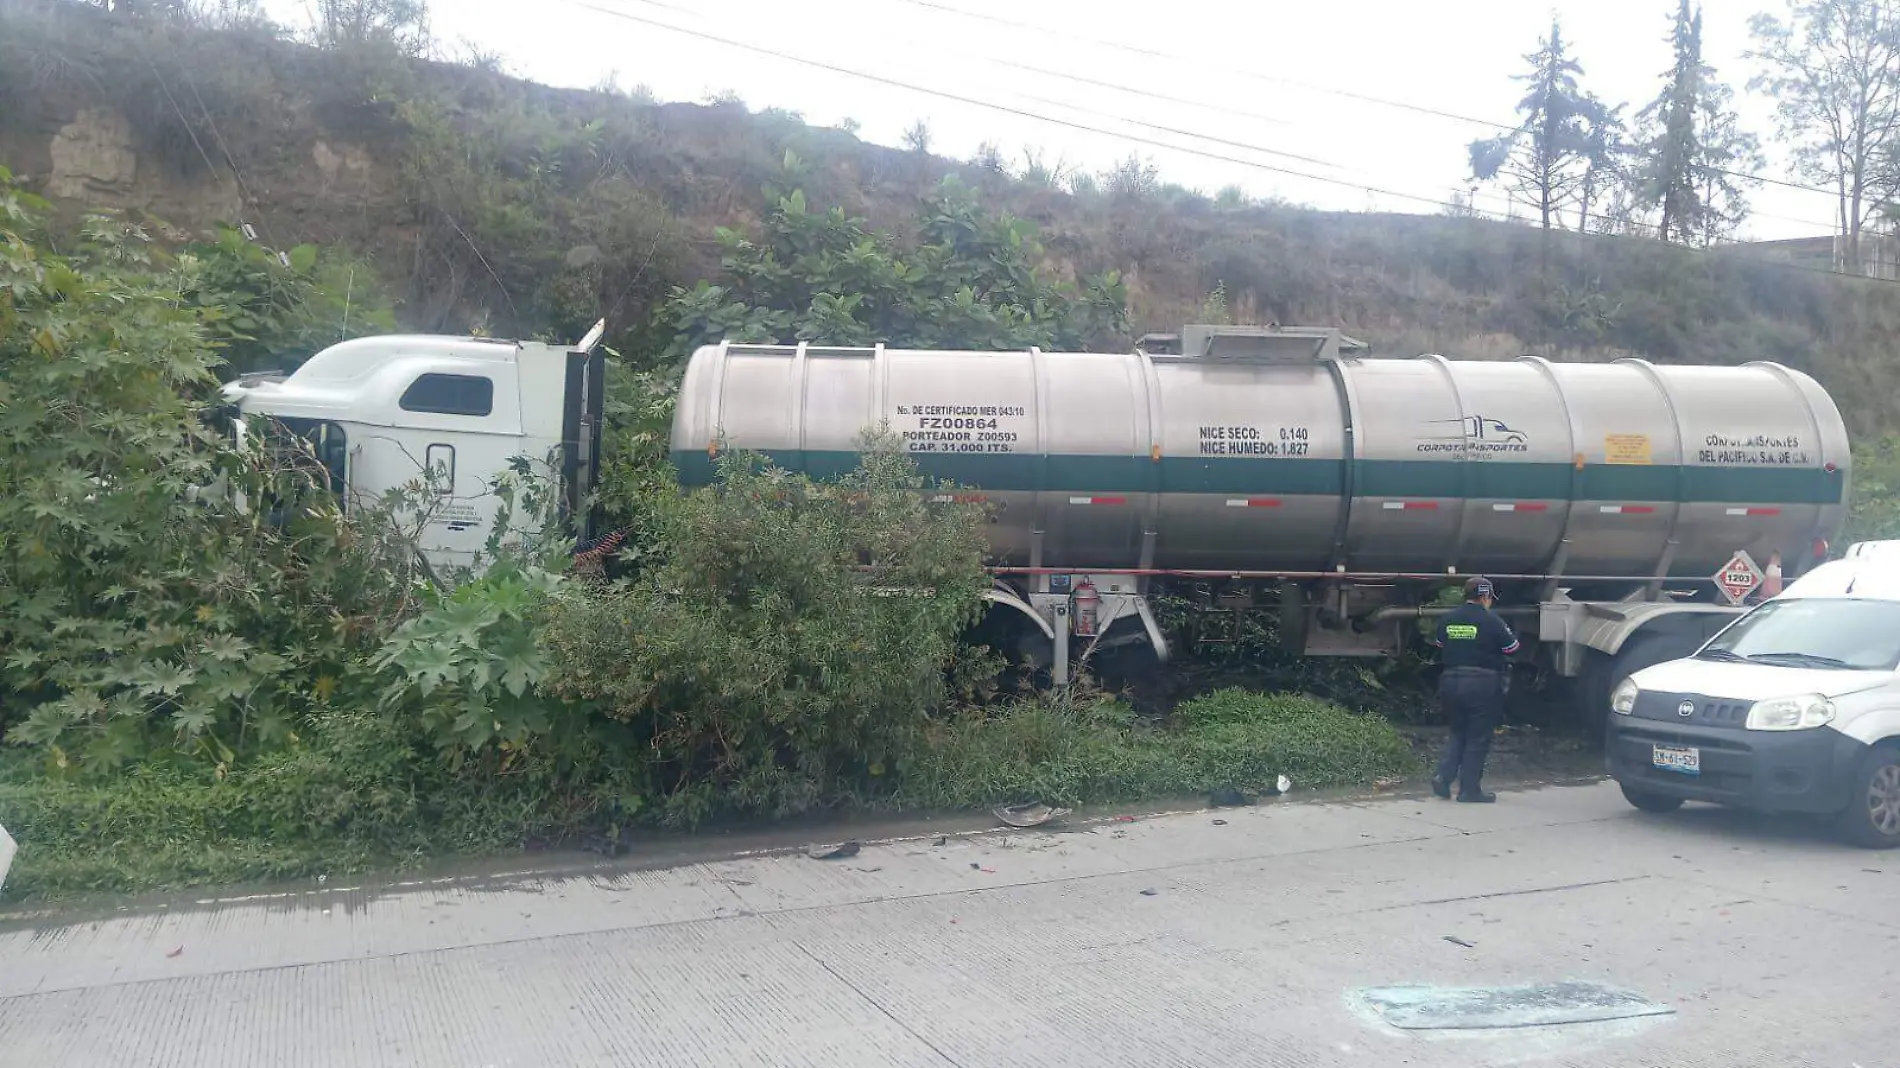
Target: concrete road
{"points": [[1169, 940]]}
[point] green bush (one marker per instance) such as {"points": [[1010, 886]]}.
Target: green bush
{"points": [[789, 640], [965, 279], [143, 605]]}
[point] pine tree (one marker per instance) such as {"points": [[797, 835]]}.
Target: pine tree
{"points": [[1692, 146], [1548, 157]]}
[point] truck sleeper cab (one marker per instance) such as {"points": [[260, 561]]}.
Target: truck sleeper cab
{"points": [[1794, 707], [449, 413]]}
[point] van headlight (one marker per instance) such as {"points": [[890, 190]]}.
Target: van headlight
{"points": [[1623, 701], [1791, 713]]}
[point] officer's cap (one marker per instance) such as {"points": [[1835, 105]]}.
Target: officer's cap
{"points": [[1478, 588]]}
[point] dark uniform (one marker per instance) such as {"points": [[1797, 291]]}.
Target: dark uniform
{"points": [[1471, 688]]}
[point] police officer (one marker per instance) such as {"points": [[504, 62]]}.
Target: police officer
{"points": [[1471, 688]]}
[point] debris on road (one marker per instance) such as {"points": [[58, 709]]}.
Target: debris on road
{"points": [[174, 952], [1028, 814], [1430, 1008], [1456, 941], [834, 852], [1220, 823], [1150, 893], [942, 839]]}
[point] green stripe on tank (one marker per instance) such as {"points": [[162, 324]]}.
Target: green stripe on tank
{"points": [[1028, 473]]}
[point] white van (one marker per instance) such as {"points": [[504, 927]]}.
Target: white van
{"points": [[1794, 707]]}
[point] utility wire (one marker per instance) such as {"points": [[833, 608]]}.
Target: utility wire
{"points": [[1002, 108], [1021, 113], [1202, 63], [1017, 68]]}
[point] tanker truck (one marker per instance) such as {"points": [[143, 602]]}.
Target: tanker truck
{"points": [[1621, 508], [1625, 511]]}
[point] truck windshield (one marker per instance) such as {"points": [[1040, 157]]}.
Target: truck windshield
{"points": [[327, 441], [1845, 634]]}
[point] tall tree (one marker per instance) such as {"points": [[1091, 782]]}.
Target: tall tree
{"points": [[350, 24], [1834, 71], [1548, 157], [1606, 156], [1692, 146]]}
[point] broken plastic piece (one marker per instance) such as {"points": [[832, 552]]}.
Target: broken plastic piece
{"points": [[1028, 814], [833, 852]]}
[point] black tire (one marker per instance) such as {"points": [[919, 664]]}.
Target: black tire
{"points": [[1871, 819], [1649, 802], [1642, 651]]}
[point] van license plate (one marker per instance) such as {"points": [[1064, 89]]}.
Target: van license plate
{"points": [[1683, 760]]}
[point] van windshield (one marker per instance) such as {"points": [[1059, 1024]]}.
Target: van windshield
{"points": [[1845, 634]]}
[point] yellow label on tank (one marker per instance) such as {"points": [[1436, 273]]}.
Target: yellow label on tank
{"points": [[1626, 448]]}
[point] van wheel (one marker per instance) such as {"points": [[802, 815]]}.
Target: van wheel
{"points": [[1872, 816], [1649, 802]]}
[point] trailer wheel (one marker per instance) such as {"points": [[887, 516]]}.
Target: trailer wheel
{"points": [[1607, 673]]}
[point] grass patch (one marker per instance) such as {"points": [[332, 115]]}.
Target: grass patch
{"points": [[361, 795], [1079, 752]]}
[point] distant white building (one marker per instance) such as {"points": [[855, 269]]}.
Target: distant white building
{"points": [[1879, 253]]}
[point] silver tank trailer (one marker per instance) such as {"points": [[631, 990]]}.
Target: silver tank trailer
{"points": [[1281, 453]]}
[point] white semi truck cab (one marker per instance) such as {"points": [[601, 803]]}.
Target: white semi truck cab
{"points": [[448, 415]]}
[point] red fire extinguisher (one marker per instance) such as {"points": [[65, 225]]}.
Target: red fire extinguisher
{"points": [[1088, 605]]}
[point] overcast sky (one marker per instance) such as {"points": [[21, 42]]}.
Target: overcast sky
{"points": [[1259, 83]]}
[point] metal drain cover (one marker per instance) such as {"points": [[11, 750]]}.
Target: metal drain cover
{"points": [[1481, 1008]]}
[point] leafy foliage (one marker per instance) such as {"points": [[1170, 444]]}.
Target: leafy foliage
{"points": [[1874, 512], [533, 223], [141, 606], [268, 311], [789, 640], [469, 662], [966, 280]]}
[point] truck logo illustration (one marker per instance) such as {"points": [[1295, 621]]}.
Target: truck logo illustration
{"points": [[1480, 428], [1476, 435]]}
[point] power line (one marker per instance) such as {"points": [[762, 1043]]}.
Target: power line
{"points": [[1004, 108], [1348, 94], [1079, 109], [1210, 138], [974, 102]]}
